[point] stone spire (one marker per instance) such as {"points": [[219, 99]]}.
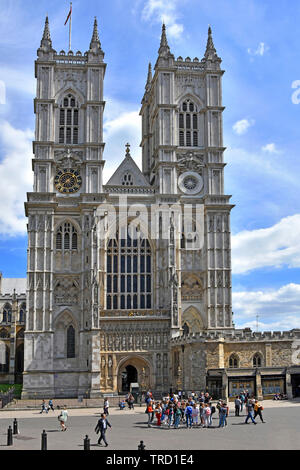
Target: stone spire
{"points": [[164, 49], [95, 37], [45, 50], [95, 45], [210, 52], [46, 39], [149, 77]]}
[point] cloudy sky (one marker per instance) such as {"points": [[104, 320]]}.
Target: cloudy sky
{"points": [[258, 41]]}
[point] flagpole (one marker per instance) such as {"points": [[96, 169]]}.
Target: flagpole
{"points": [[70, 27]]}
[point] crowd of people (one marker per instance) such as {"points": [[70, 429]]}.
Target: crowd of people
{"points": [[198, 410]]}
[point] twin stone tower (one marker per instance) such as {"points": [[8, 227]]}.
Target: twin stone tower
{"points": [[117, 272]]}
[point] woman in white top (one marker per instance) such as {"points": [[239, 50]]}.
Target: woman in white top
{"points": [[63, 417], [195, 415]]}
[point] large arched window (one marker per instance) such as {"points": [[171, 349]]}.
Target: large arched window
{"points": [[70, 342], [68, 120], [234, 361], [257, 361], [129, 266], [66, 237], [7, 312], [188, 124]]}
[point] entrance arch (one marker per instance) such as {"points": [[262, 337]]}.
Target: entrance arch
{"points": [[134, 369], [129, 375]]}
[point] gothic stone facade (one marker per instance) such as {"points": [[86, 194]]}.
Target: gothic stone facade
{"points": [[105, 307]]}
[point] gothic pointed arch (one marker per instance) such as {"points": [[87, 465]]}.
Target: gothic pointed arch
{"points": [[257, 360], [188, 121], [7, 313], [65, 335], [233, 361], [191, 320]]}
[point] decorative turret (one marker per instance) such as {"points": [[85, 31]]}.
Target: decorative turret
{"points": [[95, 45], [211, 53], [164, 53], [149, 78], [46, 43]]}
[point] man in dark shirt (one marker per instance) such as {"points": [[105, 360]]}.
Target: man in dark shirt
{"points": [[102, 427]]}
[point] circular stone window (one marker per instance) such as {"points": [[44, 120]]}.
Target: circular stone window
{"points": [[190, 182]]}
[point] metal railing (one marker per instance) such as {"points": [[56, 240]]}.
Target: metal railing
{"points": [[7, 397]]}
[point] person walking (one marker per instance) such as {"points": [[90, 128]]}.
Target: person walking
{"points": [[102, 427], [131, 402], [258, 410], [250, 411], [50, 405], [237, 405], [222, 415], [44, 407], [63, 417], [105, 407]]}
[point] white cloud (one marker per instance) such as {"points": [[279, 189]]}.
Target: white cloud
{"points": [[260, 51], [15, 177], [242, 126], [270, 148], [164, 11], [276, 246], [19, 80], [126, 127], [276, 309]]}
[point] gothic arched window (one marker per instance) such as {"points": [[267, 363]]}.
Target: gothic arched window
{"points": [[7, 311], [4, 333], [233, 361], [68, 120], [70, 342], [129, 266], [22, 313], [257, 360], [188, 124], [66, 237]]}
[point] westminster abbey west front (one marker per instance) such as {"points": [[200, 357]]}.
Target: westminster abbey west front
{"points": [[130, 281]]}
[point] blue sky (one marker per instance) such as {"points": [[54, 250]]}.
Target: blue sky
{"points": [[258, 41]]}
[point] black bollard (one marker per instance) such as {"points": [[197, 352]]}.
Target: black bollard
{"points": [[141, 446], [9, 436], [44, 440], [15, 427], [86, 443]]}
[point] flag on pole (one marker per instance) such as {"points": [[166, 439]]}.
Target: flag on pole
{"points": [[70, 13]]}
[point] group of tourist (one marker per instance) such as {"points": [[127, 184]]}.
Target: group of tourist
{"points": [[197, 411]]}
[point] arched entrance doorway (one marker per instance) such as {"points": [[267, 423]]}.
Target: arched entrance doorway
{"points": [[134, 369], [129, 375]]}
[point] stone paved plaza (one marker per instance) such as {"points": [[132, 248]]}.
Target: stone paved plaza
{"points": [[280, 432]]}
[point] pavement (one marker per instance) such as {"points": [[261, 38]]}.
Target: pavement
{"points": [[280, 432]]}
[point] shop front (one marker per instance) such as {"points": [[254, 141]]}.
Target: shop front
{"points": [[273, 384], [237, 385]]}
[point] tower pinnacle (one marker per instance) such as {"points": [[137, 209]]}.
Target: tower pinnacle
{"points": [[210, 52], [46, 39], [164, 49], [95, 37]]}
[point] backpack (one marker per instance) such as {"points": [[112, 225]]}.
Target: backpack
{"points": [[213, 409], [189, 410], [208, 411]]}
